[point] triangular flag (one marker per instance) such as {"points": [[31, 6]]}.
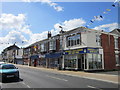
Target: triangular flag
{"points": [[113, 5], [101, 16], [108, 9]]}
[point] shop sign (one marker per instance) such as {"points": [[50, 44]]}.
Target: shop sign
{"points": [[74, 51], [92, 50], [82, 50]]}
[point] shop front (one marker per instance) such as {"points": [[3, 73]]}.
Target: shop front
{"points": [[53, 59], [34, 60], [42, 60], [83, 59]]}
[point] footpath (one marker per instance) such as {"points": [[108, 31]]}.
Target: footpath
{"points": [[95, 76]]}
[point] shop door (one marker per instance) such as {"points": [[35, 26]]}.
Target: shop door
{"points": [[81, 62]]}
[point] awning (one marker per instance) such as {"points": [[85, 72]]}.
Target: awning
{"points": [[34, 57], [53, 55]]}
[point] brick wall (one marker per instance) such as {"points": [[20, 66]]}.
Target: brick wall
{"points": [[119, 49], [107, 42], [57, 45]]}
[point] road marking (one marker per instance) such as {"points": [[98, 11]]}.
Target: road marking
{"points": [[81, 76], [57, 78], [26, 85], [91, 78], [94, 87], [91, 86]]}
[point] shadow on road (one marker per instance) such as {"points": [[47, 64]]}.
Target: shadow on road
{"points": [[12, 80]]}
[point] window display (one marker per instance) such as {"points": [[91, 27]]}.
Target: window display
{"points": [[70, 61], [95, 61]]}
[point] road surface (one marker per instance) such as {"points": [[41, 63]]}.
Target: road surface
{"points": [[37, 78]]}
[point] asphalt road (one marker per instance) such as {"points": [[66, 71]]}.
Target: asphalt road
{"points": [[35, 78]]}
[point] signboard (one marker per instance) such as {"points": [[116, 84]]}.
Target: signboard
{"points": [[82, 50]]}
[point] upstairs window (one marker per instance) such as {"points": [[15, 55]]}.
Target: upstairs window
{"points": [[73, 40], [117, 59], [43, 47], [52, 45], [98, 40], [116, 42]]}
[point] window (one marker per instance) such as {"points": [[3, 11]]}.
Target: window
{"points": [[98, 41], [42, 47], [52, 45], [117, 59], [116, 42], [95, 61], [61, 42], [73, 40]]}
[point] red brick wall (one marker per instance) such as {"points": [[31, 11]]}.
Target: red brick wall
{"points": [[108, 49], [57, 45], [119, 49]]}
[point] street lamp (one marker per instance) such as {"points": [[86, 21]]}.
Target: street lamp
{"points": [[61, 45]]}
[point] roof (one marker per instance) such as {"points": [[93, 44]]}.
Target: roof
{"points": [[11, 47], [116, 31]]}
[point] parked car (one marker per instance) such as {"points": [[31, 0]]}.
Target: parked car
{"points": [[8, 71], [1, 62]]}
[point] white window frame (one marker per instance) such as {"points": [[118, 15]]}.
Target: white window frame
{"points": [[117, 60], [116, 42]]}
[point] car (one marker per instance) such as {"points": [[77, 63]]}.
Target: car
{"points": [[1, 62], [8, 71]]}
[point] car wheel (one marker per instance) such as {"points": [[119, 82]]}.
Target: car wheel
{"points": [[3, 80], [17, 78]]}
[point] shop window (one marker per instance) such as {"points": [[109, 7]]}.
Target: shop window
{"points": [[70, 62], [95, 61]]}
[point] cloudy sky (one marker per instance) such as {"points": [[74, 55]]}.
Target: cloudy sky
{"points": [[28, 21]]}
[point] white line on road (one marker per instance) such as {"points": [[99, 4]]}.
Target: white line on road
{"points": [[57, 78], [91, 86], [26, 85], [94, 87], [91, 78]]}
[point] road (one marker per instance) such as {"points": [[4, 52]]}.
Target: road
{"points": [[37, 78]]}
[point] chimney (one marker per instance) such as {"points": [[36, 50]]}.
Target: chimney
{"points": [[49, 34]]}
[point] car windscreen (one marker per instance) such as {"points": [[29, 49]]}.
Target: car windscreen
{"points": [[8, 67]]}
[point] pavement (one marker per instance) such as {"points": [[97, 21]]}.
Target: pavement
{"points": [[103, 76]]}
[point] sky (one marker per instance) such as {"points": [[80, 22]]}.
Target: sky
{"points": [[28, 21]]}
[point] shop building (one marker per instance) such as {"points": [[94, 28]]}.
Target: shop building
{"points": [[54, 54], [82, 50], [26, 55]]}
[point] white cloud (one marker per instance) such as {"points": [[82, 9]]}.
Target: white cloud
{"points": [[70, 24], [107, 27], [17, 30], [13, 29], [10, 21], [49, 2]]}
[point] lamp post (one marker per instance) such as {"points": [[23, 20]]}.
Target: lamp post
{"points": [[61, 44]]}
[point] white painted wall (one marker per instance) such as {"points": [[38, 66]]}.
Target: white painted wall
{"points": [[20, 53], [91, 39], [88, 39]]}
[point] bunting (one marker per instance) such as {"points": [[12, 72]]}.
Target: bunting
{"points": [[101, 16]]}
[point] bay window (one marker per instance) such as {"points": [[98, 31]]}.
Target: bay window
{"points": [[73, 40]]}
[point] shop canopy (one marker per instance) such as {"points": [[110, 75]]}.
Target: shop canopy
{"points": [[53, 55], [34, 57]]}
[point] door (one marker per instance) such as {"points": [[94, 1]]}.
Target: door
{"points": [[81, 62], [82, 59]]}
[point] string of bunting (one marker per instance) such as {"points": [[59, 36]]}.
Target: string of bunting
{"points": [[101, 16], [14, 42]]}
